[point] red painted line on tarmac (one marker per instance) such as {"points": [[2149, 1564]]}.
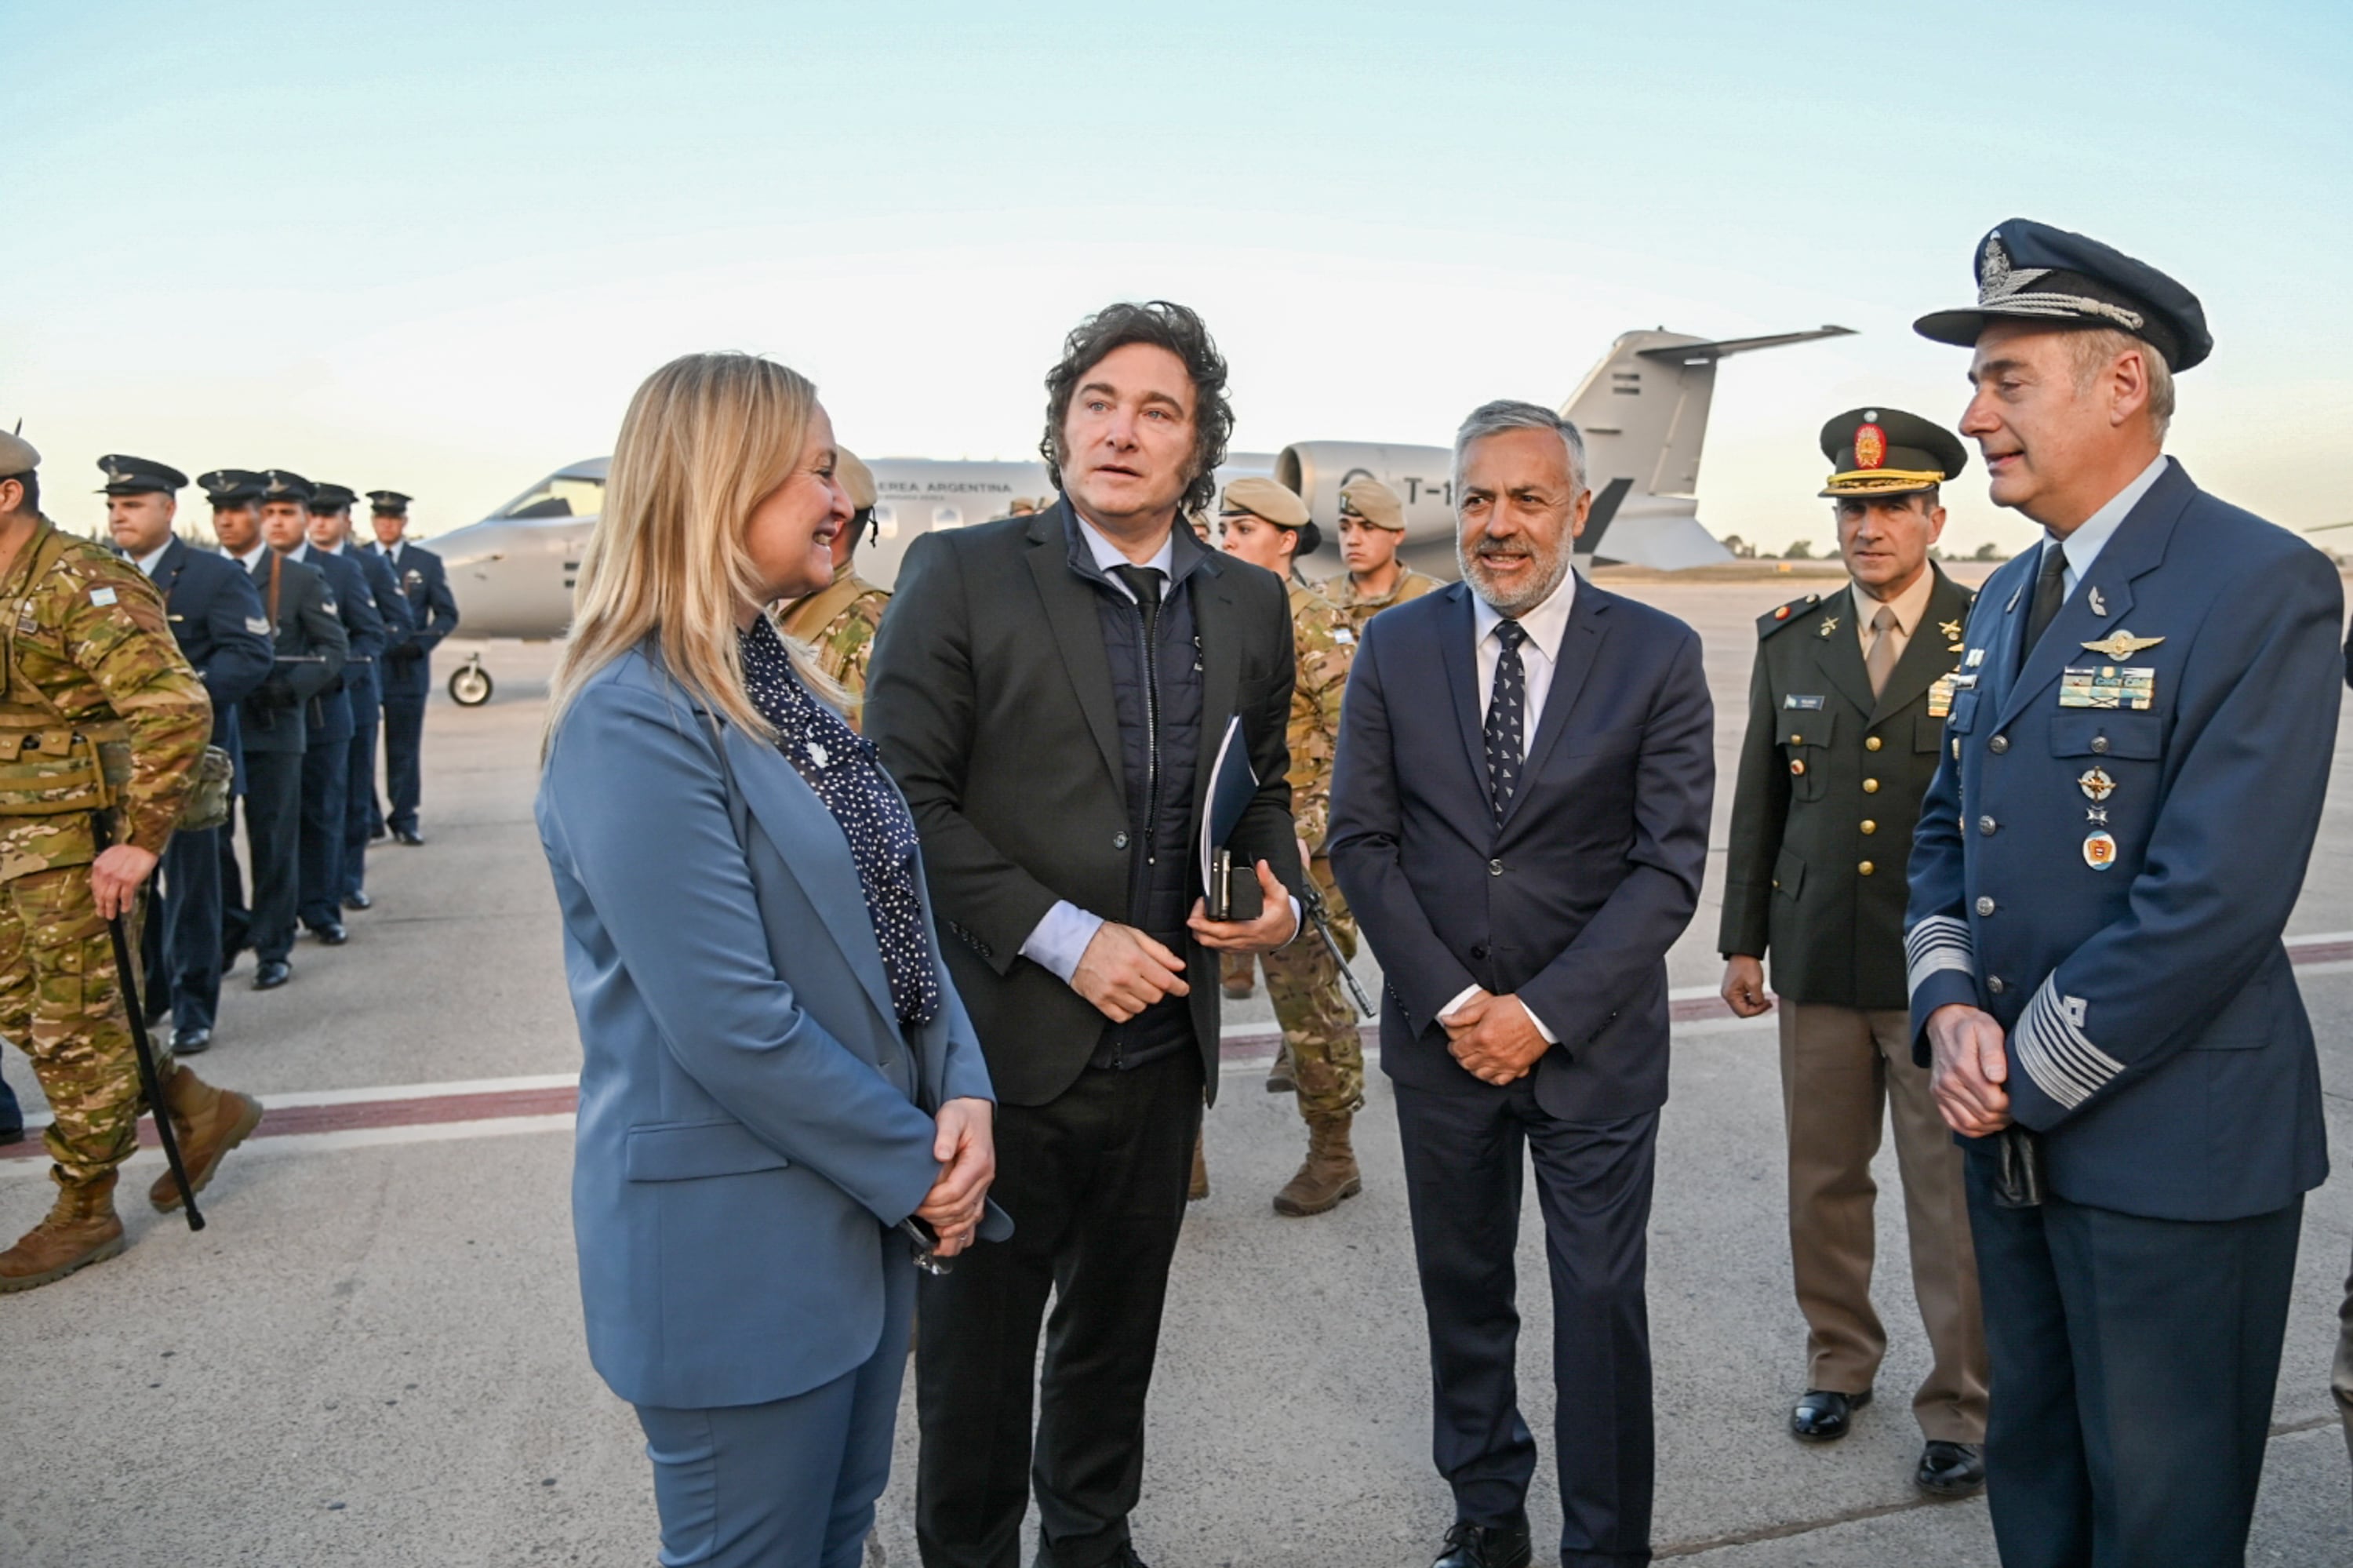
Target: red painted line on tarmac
{"points": [[431, 1110]]}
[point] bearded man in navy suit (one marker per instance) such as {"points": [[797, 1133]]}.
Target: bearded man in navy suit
{"points": [[1519, 818]]}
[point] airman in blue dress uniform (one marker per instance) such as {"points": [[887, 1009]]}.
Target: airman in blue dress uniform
{"points": [[408, 670], [2134, 771], [331, 533], [216, 616]]}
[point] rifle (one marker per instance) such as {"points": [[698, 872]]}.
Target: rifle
{"points": [[149, 1080], [1310, 899]]}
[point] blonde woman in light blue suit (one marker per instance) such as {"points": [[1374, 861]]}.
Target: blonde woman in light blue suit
{"points": [[781, 1098]]}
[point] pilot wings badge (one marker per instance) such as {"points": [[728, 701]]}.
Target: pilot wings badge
{"points": [[2121, 644]]}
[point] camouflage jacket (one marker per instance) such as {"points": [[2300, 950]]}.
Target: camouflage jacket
{"points": [[1342, 591], [88, 651], [1326, 646], [840, 622]]}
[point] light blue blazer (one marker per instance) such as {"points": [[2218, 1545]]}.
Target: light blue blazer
{"points": [[751, 1118]]}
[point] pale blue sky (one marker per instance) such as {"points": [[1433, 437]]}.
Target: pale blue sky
{"points": [[435, 246]]}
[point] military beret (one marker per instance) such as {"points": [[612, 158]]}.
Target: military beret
{"points": [[2031, 272], [1374, 502], [283, 484], [332, 498], [387, 503], [137, 476], [16, 455], [1886, 452], [856, 478], [1263, 498], [233, 486]]}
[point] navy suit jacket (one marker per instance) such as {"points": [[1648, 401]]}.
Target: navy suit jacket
{"points": [[216, 616], [331, 712], [1573, 901], [751, 1116], [392, 605], [2157, 1038], [407, 673]]}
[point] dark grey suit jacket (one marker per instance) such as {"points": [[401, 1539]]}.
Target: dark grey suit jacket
{"points": [[990, 696]]}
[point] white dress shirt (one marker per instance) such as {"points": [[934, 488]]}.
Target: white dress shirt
{"points": [[252, 557], [147, 562], [2084, 545], [1060, 938], [1545, 625]]}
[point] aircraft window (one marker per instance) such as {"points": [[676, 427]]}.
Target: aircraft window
{"points": [[561, 498], [947, 517]]}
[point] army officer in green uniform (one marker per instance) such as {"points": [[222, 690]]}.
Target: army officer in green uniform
{"points": [[1845, 717]]}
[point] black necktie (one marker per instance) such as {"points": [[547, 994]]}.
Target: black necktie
{"points": [[2049, 593], [1143, 582], [1506, 713]]}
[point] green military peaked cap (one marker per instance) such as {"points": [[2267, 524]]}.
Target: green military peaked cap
{"points": [[1886, 452]]}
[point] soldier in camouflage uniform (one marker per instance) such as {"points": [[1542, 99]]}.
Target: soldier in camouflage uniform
{"points": [[1267, 525], [100, 709], [1372, 526], [840, 619]]}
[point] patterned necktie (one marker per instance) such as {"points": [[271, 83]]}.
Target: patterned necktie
{"points": [[1506, 713], [1881, 662], [2049, 593]]}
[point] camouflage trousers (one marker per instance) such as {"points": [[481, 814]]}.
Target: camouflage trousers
{"points": [[1319, 1022], [59, 1004]]}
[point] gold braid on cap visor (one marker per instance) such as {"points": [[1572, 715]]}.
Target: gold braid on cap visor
{"points": [[1867, 481]]}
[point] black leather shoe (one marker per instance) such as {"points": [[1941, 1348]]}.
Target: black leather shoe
{"points": [[191, 1041], [358, 901], [268, 974], [378, 831], [12, 1134], [332, 934], [1469, 1545], [1952, 1469], [1823, 1417], [409, 836], [1124, 1557]]}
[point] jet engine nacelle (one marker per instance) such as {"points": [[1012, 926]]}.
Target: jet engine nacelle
{"points": [[1422, 476]]}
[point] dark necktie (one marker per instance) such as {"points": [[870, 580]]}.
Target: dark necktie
{"points": [[2049, 593], [1143, 582], [1506, 714]]}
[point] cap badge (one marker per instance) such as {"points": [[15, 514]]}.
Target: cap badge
{"points": [[1870, 446], [1997, 278]]}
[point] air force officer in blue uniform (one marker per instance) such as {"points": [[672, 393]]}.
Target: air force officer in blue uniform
{"points": [[406, 672], [2135, 766], [217, 617]]}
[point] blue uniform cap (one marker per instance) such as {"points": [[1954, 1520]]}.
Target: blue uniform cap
{"points": [[2031, 272], [332, 498], [233, 486], [138, 476], [284, 484]]}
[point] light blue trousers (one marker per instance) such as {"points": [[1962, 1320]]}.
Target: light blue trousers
{"points": [[789, 1484]]}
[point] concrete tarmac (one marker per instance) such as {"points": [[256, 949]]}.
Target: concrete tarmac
{"points": [[374, 1353]]}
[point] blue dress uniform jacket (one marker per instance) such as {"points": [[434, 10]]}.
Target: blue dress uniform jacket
{"points": [[751, 1118], [216, 615], [408, 670], [2157, 1038], [355, 603]]}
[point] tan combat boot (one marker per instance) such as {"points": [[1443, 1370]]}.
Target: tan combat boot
{"points": [[210, 1122], [1280, 1077], [81, 1229], [1198, 1188], [1329, 1172]]}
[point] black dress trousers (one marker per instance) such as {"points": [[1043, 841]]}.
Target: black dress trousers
{"points": [[2134, 1365], [273, 842], [1466, 1150], [1094, 1180]]}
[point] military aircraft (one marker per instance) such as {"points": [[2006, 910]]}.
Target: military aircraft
{"points": [[1642, 410]]}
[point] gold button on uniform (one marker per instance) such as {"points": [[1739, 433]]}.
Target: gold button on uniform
{"points": [[1869, 826], [1864, 868], [1872, 744], [1871, 786]]}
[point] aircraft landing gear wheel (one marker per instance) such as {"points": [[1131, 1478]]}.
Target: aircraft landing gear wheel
{"points": [[469, 683]]}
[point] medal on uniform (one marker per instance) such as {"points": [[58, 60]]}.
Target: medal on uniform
{"points": [[1830, 624], [2120, 643], [2096, 784], [2099, 850], [2130, 687], [1976, 657], [1797, 766], [1940, 696], [1951, 629]]}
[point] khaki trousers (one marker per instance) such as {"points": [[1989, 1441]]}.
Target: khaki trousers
{"points": [[1843, 1070]]}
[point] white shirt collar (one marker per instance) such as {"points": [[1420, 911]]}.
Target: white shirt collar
{"points": [[252, 557], [2084, 545], [299, 552], [1545, 625], [1108, 555], [147, 563], [333, 549]]}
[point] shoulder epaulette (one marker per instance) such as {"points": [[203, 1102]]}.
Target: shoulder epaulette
{"points": [[1772, 620]]}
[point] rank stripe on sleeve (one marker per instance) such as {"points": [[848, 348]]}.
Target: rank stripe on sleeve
{"points": [[1940, 942], [2056, 1053]]}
